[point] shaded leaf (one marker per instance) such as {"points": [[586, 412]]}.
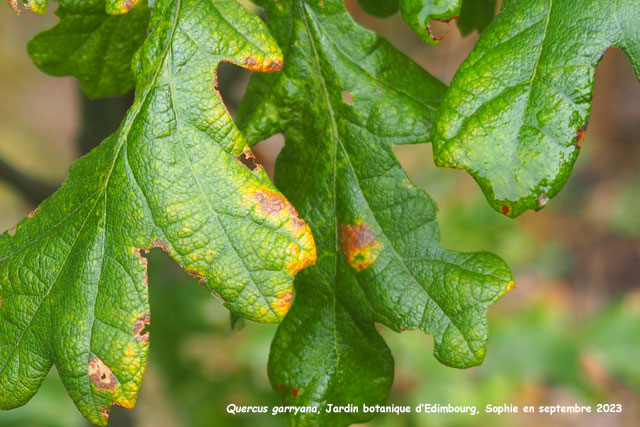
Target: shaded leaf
{"points": [[516, 112], [119, 7], [91, 45], [380, 8], [379, 258], [476, 15], [73, 288]]}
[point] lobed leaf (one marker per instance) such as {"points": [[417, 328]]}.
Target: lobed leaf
{"points": [[517, 109], [73, 288], [345, 97], [419, 13], [91, 45], [472, 14]]}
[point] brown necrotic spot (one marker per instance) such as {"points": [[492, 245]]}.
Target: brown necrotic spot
{"points": [[196, 275], [273, 203], [127, 5], [139, 328], [505, 210], [359, 245], [101, 376], [266, 66], [157, 243], [143, 260], [294, 392], [105, 412], [14, 5], [33, 212], [580, 134]]}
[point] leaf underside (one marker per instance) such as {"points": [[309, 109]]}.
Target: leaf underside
{"points": [[379, 258], [73, 288], [92, 46], [516, 112]]}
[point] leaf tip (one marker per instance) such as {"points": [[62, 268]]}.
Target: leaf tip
{"points": [[510, 286], [579, 137], [13, 4]]}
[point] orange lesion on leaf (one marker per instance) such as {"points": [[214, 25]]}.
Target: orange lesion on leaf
{"points": [[301, 254], [33, 212], [122, 6], [300, 260], [157, 243], [13, 4], [197, 274], [580, 134], [267, 65], [101, 376], [139, 326], [283, 304], [510, 286], [104, 412], [359, 245]]}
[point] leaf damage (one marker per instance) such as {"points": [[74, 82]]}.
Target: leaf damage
{"points": [[359, 245]]}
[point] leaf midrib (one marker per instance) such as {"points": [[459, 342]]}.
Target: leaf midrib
{"points": [[345, 153]]}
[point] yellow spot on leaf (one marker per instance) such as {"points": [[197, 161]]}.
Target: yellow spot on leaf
{"points": [[283, 304]]}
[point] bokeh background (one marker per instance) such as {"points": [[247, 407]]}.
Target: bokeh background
{"points": [[569, 333]]}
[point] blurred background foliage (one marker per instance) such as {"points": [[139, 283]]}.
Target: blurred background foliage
{"points": [[569, 333]]}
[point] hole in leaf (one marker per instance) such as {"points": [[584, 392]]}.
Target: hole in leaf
{"points": [[231, 82], [249, 160], [266, 152]]}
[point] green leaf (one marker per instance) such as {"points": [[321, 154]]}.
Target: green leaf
{"points": [[344, 98], [112, 7], [38, 6], [91, 45], [516, 112], [476, 15], [380, 8], [418, 14], [73, 286]]}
